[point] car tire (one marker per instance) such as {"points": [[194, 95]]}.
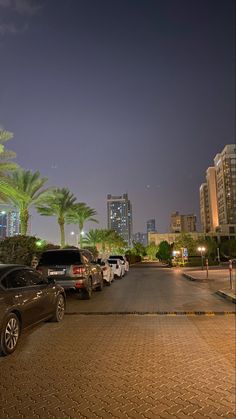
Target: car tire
{"points": [[10, 334], [100, 286], [60, 309], [87, 293]]}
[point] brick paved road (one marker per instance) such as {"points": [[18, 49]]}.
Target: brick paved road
{"points": [[122, 366], [153, 289]]}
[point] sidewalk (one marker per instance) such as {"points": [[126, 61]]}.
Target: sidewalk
{"points": [[218, 277]]}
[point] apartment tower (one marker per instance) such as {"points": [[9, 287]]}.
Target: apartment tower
{"points": [[119, 216], [181, 223], [218, 194]]}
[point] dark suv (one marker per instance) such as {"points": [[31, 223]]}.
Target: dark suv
{"points": [[72, 269]]}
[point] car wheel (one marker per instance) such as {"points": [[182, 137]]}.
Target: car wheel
{"points": [[10, 334], [60, 309], [87, 293], [100, 286]]}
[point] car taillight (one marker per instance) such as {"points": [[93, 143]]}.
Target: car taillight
{"points": [[117, 266], [78, 270], [79, 283], [39, 269]]}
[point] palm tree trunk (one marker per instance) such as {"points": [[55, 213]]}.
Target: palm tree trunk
{"points": [[81, 226], [24, 218], [61, 223]]}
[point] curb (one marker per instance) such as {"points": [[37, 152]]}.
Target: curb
{"points": [[193, 278], [152, 313], [226, 296]]}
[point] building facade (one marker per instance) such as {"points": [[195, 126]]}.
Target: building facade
{"points": [[219, 206], [9, 221], [181, 223], [204, 208], [151, 225], [119, 216], [140, 238]]}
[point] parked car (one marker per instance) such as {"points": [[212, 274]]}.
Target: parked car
{"points": [[72, 269], [26, 298], [107, 271], [118, 268], [123, 260]]}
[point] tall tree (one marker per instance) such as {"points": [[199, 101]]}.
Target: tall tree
{"points": [[6, 164], [24, 190], [79, 214], [6, 155], [58, 203]]}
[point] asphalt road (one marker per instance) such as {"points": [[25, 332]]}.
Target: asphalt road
{"points": [[127, 366]]}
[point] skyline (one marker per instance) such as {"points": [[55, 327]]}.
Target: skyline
{"points": [[139, 99]]}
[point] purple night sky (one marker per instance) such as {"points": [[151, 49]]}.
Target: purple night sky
{"points": [[108, 96]]}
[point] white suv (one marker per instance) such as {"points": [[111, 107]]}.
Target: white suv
{"points": [[118, 268], [123, 260]]}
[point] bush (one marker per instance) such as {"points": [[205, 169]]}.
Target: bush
{"points": [[131, 258], [18, 249]]}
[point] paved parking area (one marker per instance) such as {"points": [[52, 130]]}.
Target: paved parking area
{"points": [[122, 366]]}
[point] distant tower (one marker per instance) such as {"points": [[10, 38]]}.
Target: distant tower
{"points": [[151, 226], [13, 223], [9, 221], [119, 216], [3, 224]]}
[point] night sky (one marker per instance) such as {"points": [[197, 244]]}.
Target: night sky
{"points": [[116, 96]]}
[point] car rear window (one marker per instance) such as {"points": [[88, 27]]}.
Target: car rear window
{"points": [[60, 258], [117, 257], [112, 261]]}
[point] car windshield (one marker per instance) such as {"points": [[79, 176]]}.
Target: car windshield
{"points": [[60, 258]]}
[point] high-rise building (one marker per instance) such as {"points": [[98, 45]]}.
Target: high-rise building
{"points": [[204, 208], [9, 221], [151, 226], [208, 202], [140, 238], [181, 223], [212, 198], [13, 223], [3, 224], [218, 194], [119, 216], [225, 166]]}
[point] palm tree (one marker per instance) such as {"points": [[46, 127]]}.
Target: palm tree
{"points": [[5, 164], [24, 189], [79, 214], [93, 237], [58, 203], [6, 155]]}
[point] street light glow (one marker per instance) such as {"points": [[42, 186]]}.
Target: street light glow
{"points": [[201, 249]]}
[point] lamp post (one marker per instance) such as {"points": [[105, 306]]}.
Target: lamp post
{"points": [[201, 249]]}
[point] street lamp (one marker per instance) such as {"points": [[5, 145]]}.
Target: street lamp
{"points": [[201, 249], [72, 233]]}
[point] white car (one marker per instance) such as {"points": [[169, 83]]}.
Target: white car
{"points": [[107, 271], [123, 260], [118, 268]]}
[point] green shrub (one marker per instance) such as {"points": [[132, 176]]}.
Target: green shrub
{"points": [[18, 249]]}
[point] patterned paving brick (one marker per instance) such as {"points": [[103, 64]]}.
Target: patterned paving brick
{"points": [[140, 367]]}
